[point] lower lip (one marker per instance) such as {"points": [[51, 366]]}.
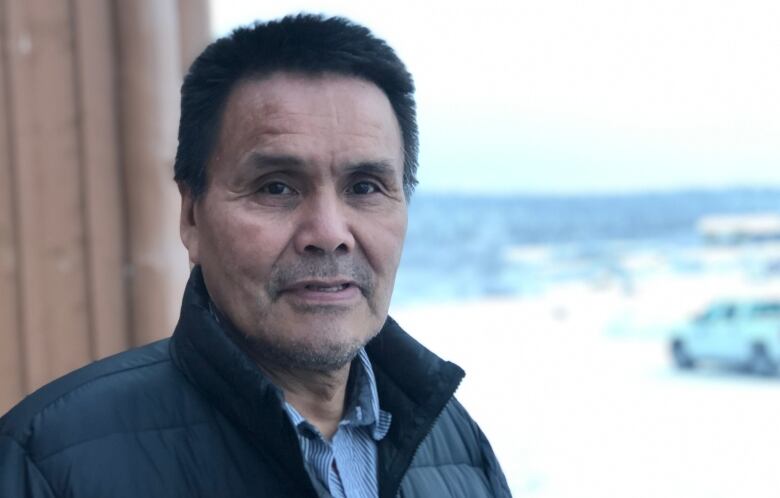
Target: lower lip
{"points": [[309, 296]]}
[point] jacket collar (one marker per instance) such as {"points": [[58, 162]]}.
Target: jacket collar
{"points": [[414, 385]]}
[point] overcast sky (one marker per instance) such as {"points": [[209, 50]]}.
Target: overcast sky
{"points": [[570, 96]]}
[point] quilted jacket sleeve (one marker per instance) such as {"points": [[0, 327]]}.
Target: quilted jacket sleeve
{"points": [[19, 476], [492, 469]]}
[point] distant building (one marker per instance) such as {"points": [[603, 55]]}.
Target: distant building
{"points": [[738, 229]]}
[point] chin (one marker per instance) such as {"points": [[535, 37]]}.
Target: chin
{"points": [[317, 351], [323, 333]]}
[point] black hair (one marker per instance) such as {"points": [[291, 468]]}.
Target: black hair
{"points": [[302, 43]]}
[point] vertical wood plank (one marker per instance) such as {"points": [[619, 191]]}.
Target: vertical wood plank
{"points": [[194, 29], [52, 266], [149, 81], [96, 77], [11, 380]]}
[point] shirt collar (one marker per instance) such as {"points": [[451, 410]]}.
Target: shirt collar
{"points": [[364, 405]]}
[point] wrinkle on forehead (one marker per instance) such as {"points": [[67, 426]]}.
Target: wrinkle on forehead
{"points": [[290, 112], [323, 94], [316, 105]]}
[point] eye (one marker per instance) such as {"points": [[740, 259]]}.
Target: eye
{"points": [[363, 188], [276, 188]]}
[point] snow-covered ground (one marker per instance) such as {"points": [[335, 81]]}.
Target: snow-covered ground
{"points": [[576, 392]]}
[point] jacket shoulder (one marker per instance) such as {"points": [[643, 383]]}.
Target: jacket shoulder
{"points": [[105, 397]]}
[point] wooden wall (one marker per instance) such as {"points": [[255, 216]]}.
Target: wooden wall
{"points": [[90, 257]]}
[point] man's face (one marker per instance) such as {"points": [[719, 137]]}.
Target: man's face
{"points": [[299, 233]]}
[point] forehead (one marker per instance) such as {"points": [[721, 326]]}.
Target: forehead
{"points": [[309, 114]]}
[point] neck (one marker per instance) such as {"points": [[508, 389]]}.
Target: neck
{"points": [[317, 396]]}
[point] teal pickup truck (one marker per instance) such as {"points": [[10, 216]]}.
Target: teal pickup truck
{"points": [[741, 334]]}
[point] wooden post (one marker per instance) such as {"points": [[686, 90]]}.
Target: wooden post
{"points": [[54, 315], [195, 30], [11, 366], [103, 195], [149, 80]]}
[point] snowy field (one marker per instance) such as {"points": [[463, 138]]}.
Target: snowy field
{"points": [[576, 392]]}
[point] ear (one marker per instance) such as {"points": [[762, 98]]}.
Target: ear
{"points": [[188, 226]]}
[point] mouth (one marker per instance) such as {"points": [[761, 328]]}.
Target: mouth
{"points": [[323, 291], [327, 288], [322, 285]]}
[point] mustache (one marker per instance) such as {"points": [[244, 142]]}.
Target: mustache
{"points": [[326, 266]]}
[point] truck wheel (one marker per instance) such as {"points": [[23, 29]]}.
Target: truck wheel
{"points": [[682, 359], [760, 361]]}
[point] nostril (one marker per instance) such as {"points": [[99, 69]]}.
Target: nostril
{"points": [[312, 249]]}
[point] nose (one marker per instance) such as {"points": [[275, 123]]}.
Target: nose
{"points": [[323, 227]]}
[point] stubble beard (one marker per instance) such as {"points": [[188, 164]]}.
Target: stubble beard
{"points": [[327, 356]]}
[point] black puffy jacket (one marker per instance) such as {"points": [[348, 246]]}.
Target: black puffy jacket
{"points": [[192, 416]]}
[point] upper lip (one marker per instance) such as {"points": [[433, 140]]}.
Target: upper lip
{"points": [[330, 282]]}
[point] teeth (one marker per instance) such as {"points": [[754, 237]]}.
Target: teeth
{"points": [[333, 288]]}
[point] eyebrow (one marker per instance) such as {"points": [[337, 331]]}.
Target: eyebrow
{"points": [[378, 168], [381, 168]]}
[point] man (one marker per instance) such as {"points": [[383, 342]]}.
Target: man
{"points": [[284, 376]]}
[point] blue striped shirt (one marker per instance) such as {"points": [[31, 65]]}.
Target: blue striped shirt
{"points": [[346, 466]]}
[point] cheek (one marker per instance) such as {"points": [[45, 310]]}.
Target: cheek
{"points": [[244, 244], [385, 244]]}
